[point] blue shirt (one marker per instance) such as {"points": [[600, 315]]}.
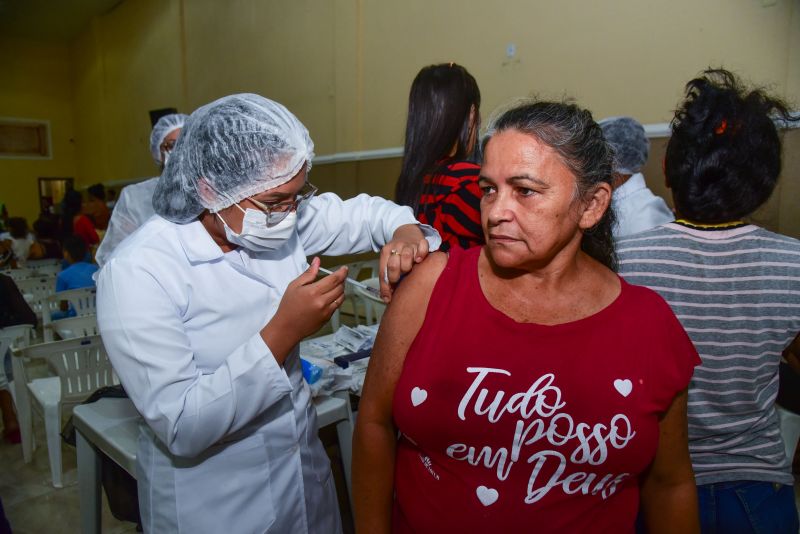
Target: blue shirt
{"points": [[76, 276]]}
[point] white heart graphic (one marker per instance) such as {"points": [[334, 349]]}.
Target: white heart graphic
{"points": [[418, 396], [487, 496], [624, 387]]}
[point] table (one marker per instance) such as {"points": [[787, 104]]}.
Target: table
{"points": [[111, 425]]}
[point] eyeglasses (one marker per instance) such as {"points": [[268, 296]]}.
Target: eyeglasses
{"points": [[280, 210], [168, 145]]}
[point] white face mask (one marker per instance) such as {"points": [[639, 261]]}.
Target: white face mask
{"points": [[256, 235]]}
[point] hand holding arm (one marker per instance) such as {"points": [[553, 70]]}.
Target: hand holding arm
{"points": [[407, 248]]}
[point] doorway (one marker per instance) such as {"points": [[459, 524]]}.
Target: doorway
{"points": [[51, 192]]}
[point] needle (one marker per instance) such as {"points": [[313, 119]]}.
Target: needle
{"points": [[365, 287]]}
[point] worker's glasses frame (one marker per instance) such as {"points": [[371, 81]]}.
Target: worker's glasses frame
{"points": [[168, 146], [279, 211]]}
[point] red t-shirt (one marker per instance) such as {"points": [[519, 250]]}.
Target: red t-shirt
{"points": [[452, 205], [83, 228], [520, 427]]}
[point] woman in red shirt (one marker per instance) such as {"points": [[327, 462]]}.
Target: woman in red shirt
{"points": [[538, 391], [74, 221], [439, 180]]}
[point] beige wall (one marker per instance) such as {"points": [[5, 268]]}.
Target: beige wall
{"points": [[344, 66], [35, 84]]}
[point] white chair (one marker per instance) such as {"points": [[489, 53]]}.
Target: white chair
{"points": [[72, 327], [20, 274], [83, 301], [38, 265], [373, 304], [790, 430], [50, 269], [16, 337], [356, 270], [36, 290], [82, 367]]}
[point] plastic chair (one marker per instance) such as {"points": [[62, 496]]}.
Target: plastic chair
{"points": [[16, 337], [73, 327], [357, 271], [790, 430], [20, 274], [83, 301], [50, 269], [374, 305], [82, 367], [36, 290]]}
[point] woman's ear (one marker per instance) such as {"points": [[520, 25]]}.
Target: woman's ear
{"points": [[205, 191], [595, 205]]}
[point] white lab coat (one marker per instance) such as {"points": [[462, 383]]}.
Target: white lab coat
{"points": [[132, 210], [231, 440], [637, 208]]}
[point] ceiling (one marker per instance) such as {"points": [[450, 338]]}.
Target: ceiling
{"points": [[50, 20]]}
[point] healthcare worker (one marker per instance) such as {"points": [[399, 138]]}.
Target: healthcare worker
{"points": [[636, 207], [135, 204], [202, 309]]}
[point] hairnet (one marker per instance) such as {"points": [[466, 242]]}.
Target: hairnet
{"points": [[631, 146], [231, 149], [161, 130]]}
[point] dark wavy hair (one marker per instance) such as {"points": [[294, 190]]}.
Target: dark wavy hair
{"points": [[724, 157], [578, 139], [439, 106]]}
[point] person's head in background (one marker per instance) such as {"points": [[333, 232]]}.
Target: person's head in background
{"points": [[74, 249], [572, 134], [442, 124], [18, 227], [97, 191], [45, 227], [724, 156], [627, 139], [164, 136]]}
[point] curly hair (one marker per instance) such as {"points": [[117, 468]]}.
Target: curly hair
{"points": [[578, 140], [724, 157]]}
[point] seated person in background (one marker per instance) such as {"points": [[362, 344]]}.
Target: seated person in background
{"points": [[20, 237], [46, 246], [135, 204], [13, 311], [734, 286], [74, 222], [636, 207], [95, 207], [438, 179], [539, 392], [111, 196], [7, 259], [79, 273]]}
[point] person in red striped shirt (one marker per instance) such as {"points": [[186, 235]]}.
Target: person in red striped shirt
{"points": [[439, 179]]}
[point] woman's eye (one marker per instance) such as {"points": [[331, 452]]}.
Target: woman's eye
{"points": [[525, 192], [487, 189]]}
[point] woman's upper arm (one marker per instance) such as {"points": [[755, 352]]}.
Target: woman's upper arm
{"points": [[672, 463], [399, 327]]}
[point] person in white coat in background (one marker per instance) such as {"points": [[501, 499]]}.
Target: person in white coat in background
{"points": [[202, 309], [135, 204], [636, 207]]}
